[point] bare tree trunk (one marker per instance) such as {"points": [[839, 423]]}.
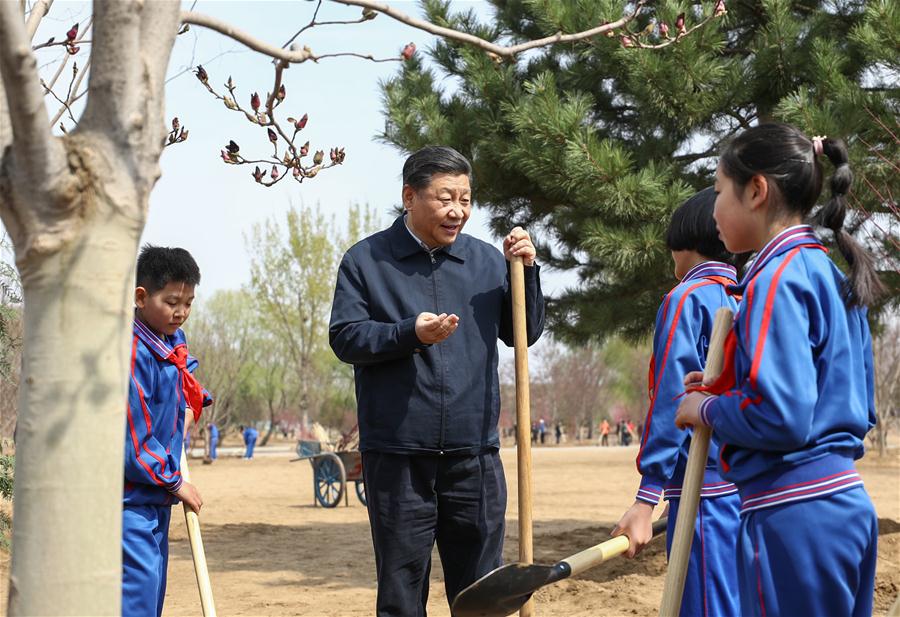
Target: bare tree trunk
{"points": [[74, 208]]}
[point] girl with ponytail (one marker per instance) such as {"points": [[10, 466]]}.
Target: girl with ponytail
{"points": [[793, 406]]}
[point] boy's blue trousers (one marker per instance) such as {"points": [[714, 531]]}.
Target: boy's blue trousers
{"points": [[145, 557], [813, 557], [710, 588]]}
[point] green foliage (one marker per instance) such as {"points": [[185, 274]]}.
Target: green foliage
{"points": [[7, 467], [10, 310], [593, 145]]}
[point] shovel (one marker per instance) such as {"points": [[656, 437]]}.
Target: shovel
{"points": [[502, 591]]}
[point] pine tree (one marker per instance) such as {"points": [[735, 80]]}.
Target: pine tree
{"points": [[593, 144]]}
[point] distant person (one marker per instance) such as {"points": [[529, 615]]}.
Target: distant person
{"points": [[558, 433], [680, 342], [604, 433], [797, 396], [250, 436], [542, 430], [162, 389], [212, 433], [418, 310]]}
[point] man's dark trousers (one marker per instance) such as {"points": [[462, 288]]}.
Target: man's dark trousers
{"points": [[417, 500]]}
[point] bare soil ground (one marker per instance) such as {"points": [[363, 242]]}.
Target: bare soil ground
{"points": [[272, 552]]}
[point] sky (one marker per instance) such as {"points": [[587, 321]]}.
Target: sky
{"points": [[208, 207]]}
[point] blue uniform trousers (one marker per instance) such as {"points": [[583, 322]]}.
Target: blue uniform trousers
{"points": [[251, 444], [417, 500], [710, 588], [145, 557], [813, 557], [213, 442]]}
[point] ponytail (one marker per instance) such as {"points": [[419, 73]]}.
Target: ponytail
{"points": [[863, 286]]}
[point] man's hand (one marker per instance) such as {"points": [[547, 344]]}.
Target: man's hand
{"points": [[431, 328], [518, 244], [190, 496], [637, 525]]}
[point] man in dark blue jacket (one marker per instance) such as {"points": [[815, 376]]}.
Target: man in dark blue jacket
{"points": [[417, 311]]}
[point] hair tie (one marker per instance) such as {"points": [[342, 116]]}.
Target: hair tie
{"points": [[817, 144]]}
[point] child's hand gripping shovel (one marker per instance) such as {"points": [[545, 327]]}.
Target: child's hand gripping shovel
{"points": [[693, 478]]}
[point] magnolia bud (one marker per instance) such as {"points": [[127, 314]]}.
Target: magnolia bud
{"points": [[719, 9], [175, 123], [254, 101], [201, 74], [282, 92], [679, 24], [232, 147], [408, 51], [304, 149], [664, 29], [229, 84], [257, 174], [318, 156], [225, 157], [626, 41], [274, 173], [273, 136], [296, 172], [72, 33], [369, 14]]}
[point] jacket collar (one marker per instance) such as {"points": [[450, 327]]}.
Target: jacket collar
{"points": [[789, 239], [161, 348], [404, 245], [711, 268]]}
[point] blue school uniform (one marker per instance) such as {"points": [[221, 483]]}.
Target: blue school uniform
{"points": [[159, 386], [213, 441], [250, 437], [795, 403], [680, 344]]}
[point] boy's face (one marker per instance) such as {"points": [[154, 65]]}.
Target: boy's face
{"points": [[166, 310]]}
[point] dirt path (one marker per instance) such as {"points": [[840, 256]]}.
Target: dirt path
{"points": [[271, 552]]}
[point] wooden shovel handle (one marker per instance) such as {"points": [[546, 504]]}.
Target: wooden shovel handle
{"points": [[200, 569], [523, 418], [597, 554], [693, 479]]}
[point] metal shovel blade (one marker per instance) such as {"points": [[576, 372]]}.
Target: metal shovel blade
{"points": [[504, 590]]}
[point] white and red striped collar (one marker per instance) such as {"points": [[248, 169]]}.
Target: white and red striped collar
{"points": [[711, 268], [157, 345], [792, 237]]}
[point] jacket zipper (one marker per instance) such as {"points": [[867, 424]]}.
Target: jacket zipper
{"points": [[440, 349]]}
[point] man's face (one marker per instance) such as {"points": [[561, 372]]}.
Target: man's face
{"points": [[167, 309], [437, 213]]}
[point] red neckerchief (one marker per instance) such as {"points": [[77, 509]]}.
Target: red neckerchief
{"points": [[193, 391]]}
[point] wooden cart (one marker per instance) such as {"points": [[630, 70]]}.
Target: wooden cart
{"points": [[331, 472]]}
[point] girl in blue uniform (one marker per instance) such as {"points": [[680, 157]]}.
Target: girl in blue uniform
{"points": [[795, 401], [680, 343]]}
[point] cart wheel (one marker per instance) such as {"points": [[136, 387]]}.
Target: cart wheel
{"points": [[331, 480], [361, 492]]}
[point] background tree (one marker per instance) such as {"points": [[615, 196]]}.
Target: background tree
{"points": [[594, 144], [74, 206], [887, 381], [224, 332]]}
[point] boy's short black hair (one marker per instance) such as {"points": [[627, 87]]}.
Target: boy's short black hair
{"points": [[692, 228], [157, 266]]}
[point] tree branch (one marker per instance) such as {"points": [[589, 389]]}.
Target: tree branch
{"points": [[499, 50], [37, 153], [293, 55], [38, 11]]}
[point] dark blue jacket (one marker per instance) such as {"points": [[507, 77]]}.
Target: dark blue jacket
{"points": [[415, 398]]}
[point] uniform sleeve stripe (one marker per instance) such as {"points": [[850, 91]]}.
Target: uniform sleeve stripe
{"points": [[767, 318], [134, 438], [662, 366]]}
